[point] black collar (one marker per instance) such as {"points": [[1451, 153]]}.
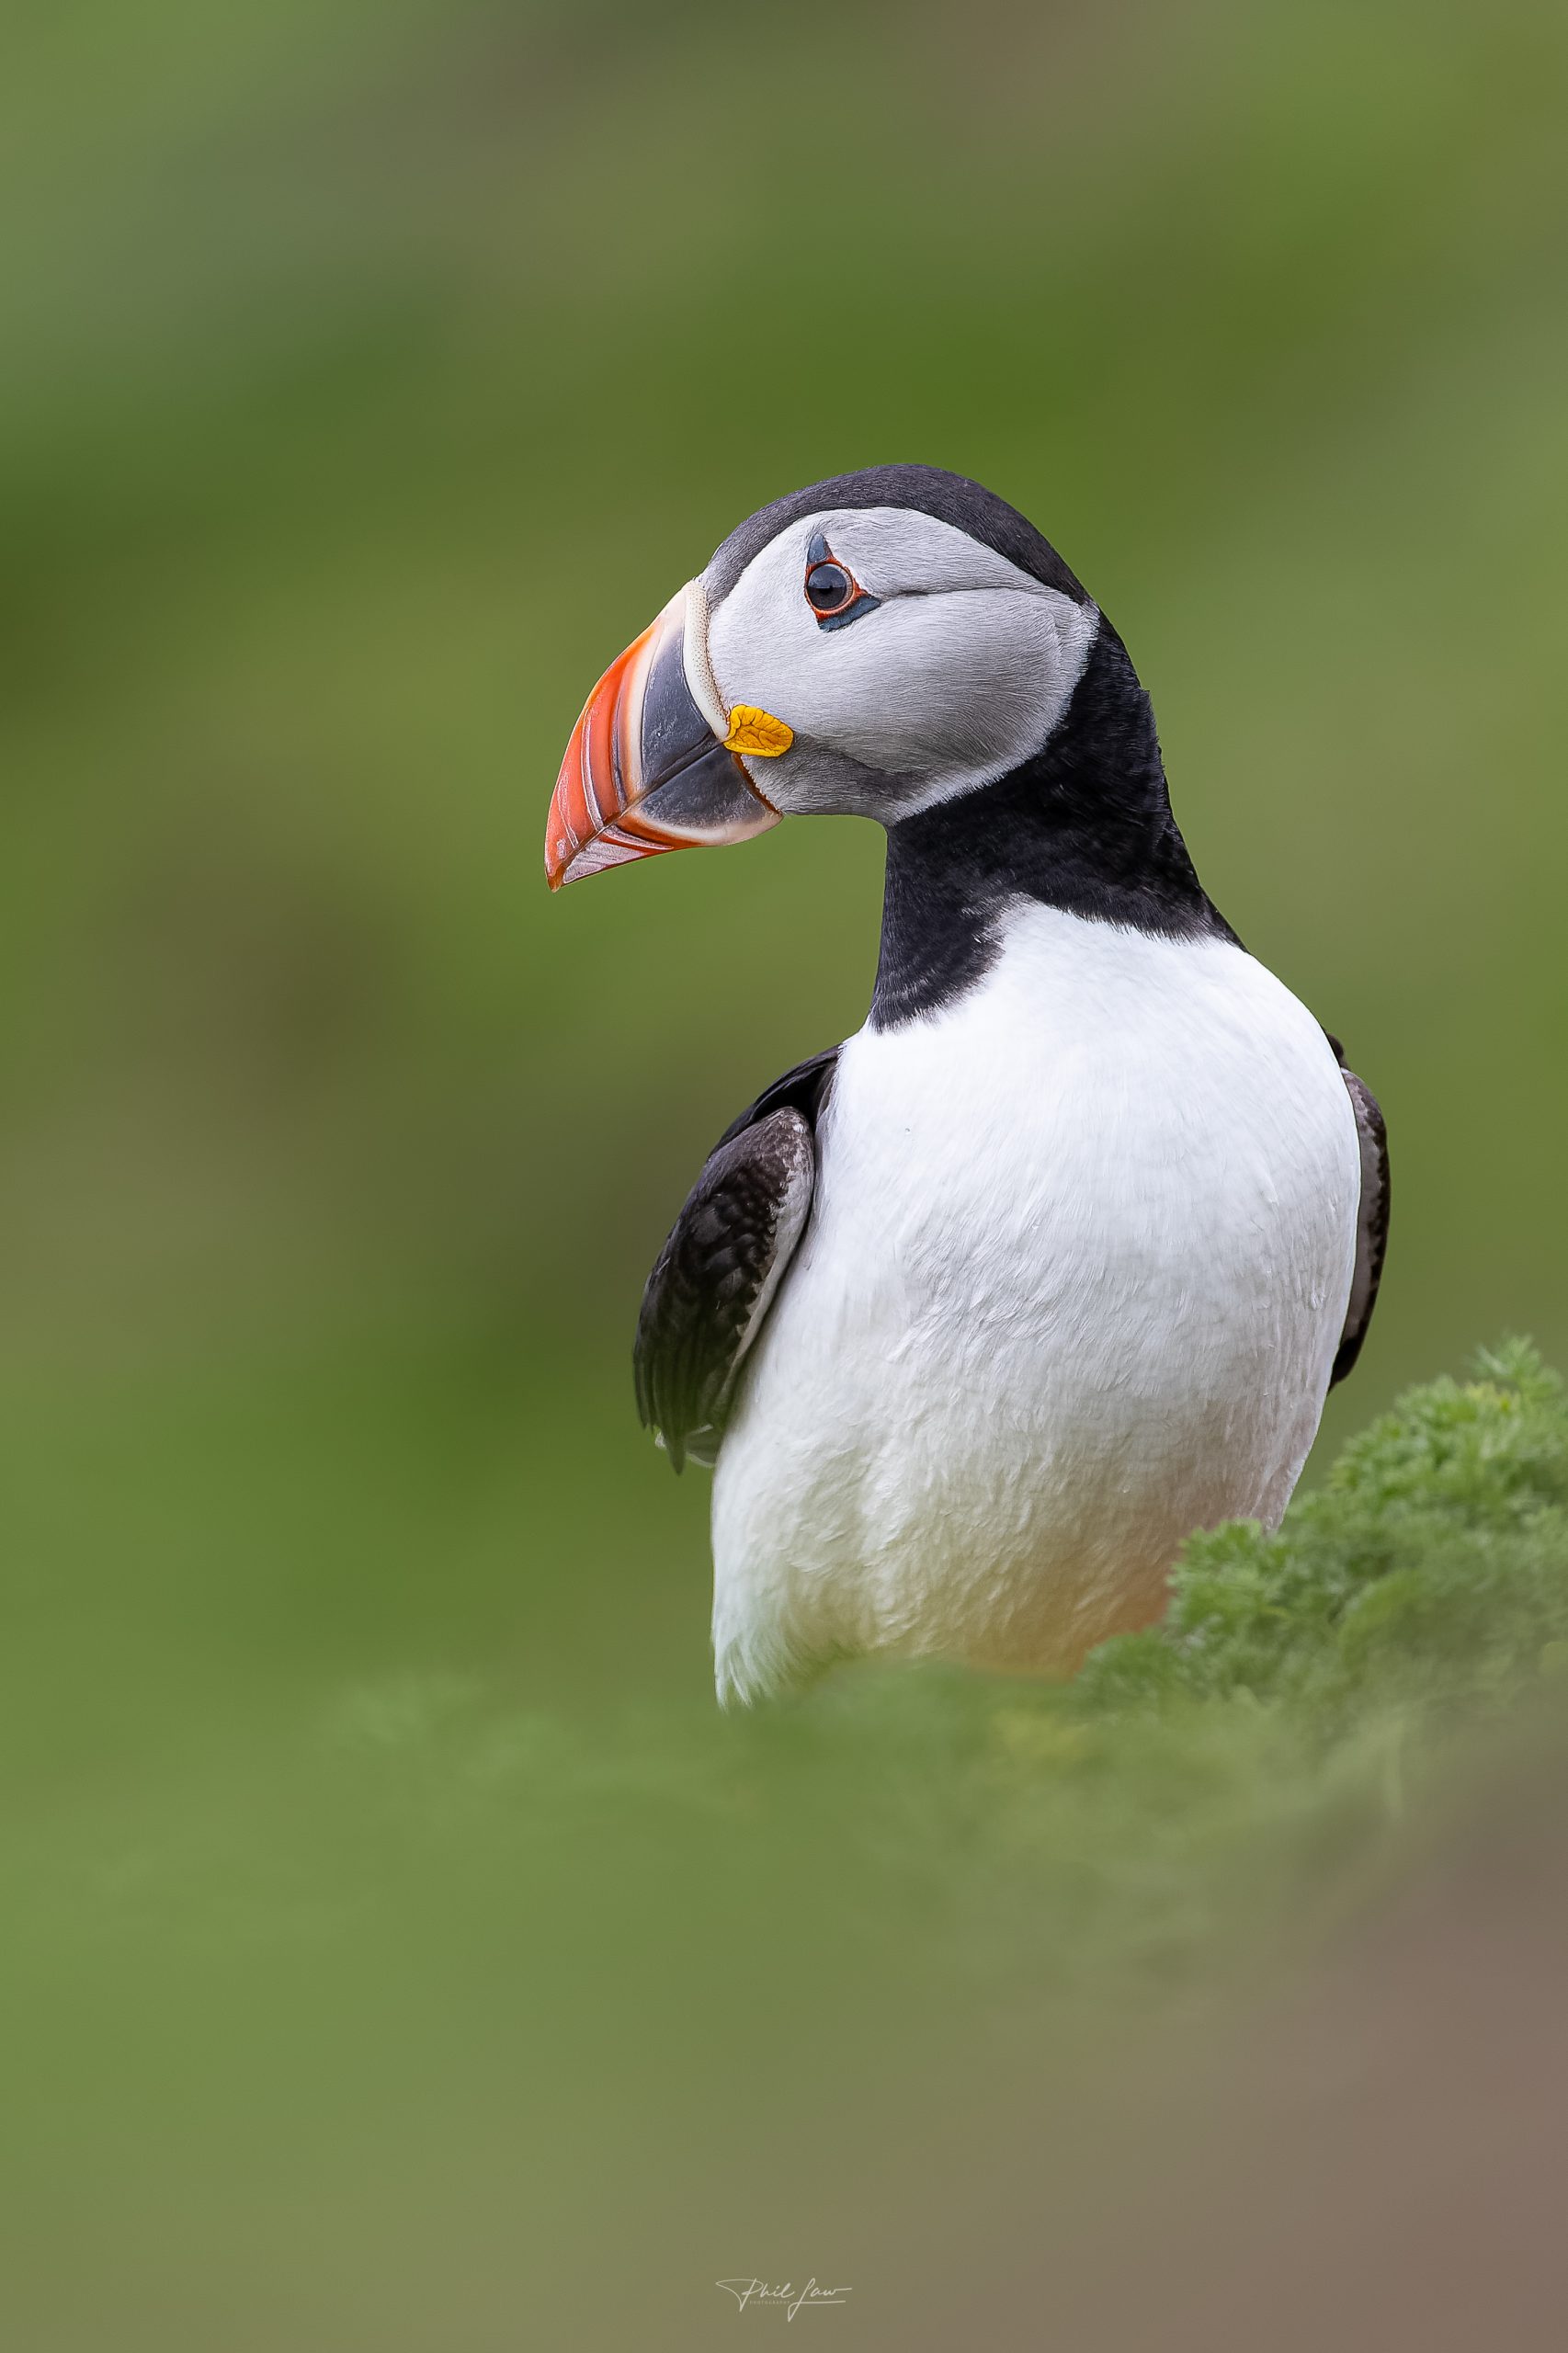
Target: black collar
{"points": [[1085, 825]]}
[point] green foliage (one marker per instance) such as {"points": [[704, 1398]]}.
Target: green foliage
{"points": [[1067, 1835], [1434, 1564]]}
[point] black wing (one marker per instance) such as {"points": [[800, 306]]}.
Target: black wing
{"points": [[1372, 1224], [727, 1253]]}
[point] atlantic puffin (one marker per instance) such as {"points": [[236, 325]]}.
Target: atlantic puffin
{"points": [[978, 1314]]}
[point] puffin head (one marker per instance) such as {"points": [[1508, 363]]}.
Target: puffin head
{"points": [[874, 647]]}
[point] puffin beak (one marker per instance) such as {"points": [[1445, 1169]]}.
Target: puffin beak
{"points": [[648, 769]]}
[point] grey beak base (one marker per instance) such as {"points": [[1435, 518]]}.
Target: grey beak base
{"points": [[692, 787]]}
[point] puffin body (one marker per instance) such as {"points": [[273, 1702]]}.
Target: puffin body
{"points": [[1074, 1278], [980, 1314]]}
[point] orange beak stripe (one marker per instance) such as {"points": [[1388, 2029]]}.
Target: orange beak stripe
{"points": [[588, 812], [615, 798]]}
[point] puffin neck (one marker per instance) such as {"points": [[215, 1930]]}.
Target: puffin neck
{"points": [[1084, 825]]}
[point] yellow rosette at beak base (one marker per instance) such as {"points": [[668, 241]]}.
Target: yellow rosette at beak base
{"points": [[757, 732]]}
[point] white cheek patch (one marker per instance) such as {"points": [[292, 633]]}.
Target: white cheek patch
{"points": [[928, 687], [958, 676], [900, 551]]}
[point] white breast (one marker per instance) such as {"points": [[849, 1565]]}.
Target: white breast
{"points": [[1074, 1278]]}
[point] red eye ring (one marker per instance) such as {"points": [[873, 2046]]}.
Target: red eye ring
{"points": [[831, 587]]}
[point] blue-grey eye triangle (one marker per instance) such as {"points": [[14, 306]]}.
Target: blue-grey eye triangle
{"points": [[818, 551], [863, 604]]}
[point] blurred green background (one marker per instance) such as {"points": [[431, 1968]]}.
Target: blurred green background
{"points": [[373, 374]]}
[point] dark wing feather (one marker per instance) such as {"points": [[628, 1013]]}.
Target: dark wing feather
{"points": [[804, 1089], [726, 1255], [1371, 1224]]}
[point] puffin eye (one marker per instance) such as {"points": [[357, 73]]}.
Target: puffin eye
{"points": [[829, 588]]}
